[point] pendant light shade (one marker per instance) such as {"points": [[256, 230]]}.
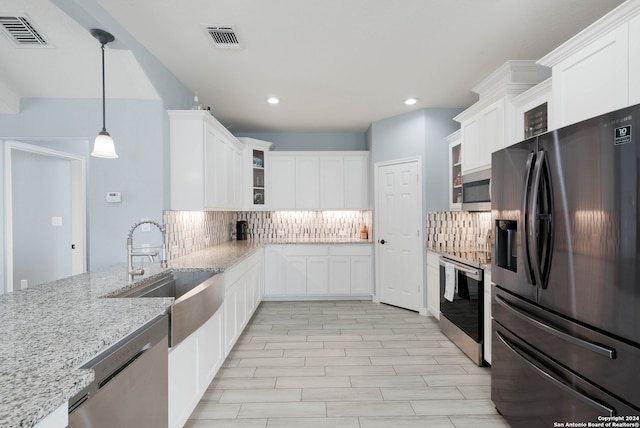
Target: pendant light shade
{"points": [[103, 146]]}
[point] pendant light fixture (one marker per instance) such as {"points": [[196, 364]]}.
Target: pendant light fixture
{"points": [[103, 146]]}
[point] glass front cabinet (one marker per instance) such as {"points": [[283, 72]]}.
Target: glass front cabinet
{"points": [[455, 171], [256, 165]]}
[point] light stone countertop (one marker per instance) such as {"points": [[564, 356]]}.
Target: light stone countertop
{"points": [[49, 330]]}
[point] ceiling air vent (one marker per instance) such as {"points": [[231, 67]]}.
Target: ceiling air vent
{"points": [[20, 31], [223, 36]]}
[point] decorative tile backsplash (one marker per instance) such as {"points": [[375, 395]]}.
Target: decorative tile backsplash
{"points": [[458, 229], [189, 231], [305, 224]]}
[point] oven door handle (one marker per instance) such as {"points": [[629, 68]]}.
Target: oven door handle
{"points": [[468, 271], [600, 407], [593, 347]]}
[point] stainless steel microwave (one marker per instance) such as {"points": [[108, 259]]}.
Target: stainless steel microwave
{"points": [[476, 191]]}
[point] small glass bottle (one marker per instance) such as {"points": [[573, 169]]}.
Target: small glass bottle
{"points": [[196, 105]]}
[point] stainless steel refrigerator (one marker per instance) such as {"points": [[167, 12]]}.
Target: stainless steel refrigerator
{"points": [[566, 269]]}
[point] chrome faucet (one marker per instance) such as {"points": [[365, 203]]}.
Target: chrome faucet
{"points": [[151, 255]]}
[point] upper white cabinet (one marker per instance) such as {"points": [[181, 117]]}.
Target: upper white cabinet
{"points": [[455, 171], [489, 124], [533, 100], [256, 164], [319, 180], [595, 71], [205, 162]]}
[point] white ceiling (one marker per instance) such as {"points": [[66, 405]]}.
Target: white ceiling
{"points": [[337, 65]]}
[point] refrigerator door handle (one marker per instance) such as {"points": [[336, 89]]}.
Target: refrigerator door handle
{"points": [[593, 347], [524, 219], [540, 242], [600, 407]]}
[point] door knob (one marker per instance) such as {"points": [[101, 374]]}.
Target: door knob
{"points": [[382, 241]]}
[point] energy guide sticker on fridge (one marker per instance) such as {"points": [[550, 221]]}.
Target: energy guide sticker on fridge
{"points": [[622, 135]]}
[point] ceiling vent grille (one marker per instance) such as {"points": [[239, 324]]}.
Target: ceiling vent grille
{"points": [[224, 36], [20, 31]]}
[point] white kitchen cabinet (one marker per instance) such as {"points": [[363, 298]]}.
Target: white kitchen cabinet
{"points": [[318, 271], [331, 176], [595, 71], [193, 364], [243, 292], [488, 125], [530, 100], [319, 180], [433, 284], [455, 171], [486, 346], [256, 164], [482, 135], [317, 275], [307, 182], [356, 181], [282, 181], [205, 163]]}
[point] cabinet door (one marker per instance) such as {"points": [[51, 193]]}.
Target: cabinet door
{"points": [[492, 131], [295, 275], [433, 284], [283, 182], [273, 271], [210, 348], [339, 275], [594, 80], [307, 189], [487, 316], [361, 275], [234, 177], [332, 189], [230, 324], [471, 135], [317, 275], [356, 182]]}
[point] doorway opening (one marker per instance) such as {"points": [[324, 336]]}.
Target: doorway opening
{"points": [[44, 214]]}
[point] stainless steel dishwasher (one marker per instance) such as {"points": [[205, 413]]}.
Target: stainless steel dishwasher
{"points": [[131, 383]]}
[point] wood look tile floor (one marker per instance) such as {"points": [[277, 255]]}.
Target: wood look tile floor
{"points": [[350, 364]]}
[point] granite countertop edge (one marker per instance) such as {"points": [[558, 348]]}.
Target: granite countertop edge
{"points": [[78, 318]]}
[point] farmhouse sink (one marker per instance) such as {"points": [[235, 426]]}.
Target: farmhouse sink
{"points": [[198, 294]]}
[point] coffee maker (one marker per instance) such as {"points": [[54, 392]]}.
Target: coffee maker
{"points": [[241, 230]]}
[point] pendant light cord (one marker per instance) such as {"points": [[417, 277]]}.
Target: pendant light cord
{"points": [[104, 128]]}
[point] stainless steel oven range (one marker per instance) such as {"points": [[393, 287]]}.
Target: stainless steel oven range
{"points": [[461, 306]]}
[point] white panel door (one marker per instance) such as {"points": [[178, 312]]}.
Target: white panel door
{"points": [[399, 279]]}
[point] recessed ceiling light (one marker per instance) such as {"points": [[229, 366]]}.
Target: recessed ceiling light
{"points": [[273, 100], [410, 101]]}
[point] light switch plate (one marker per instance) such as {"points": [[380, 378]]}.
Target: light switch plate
{"points": [[114, 197]]}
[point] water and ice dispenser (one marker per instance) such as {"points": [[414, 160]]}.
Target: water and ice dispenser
{"points": [[506, 236]]}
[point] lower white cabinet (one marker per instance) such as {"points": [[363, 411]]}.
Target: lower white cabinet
{"points": [[299, 271], [194, 362], [433, 284], [243, 293]]}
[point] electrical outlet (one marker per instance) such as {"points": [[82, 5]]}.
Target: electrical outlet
{"points": [[24, 284], [481, 240], [281, 233], [342, 233]]}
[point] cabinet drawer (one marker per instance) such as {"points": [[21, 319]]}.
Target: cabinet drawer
{"points": [[305, 250], [350, 250]]}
